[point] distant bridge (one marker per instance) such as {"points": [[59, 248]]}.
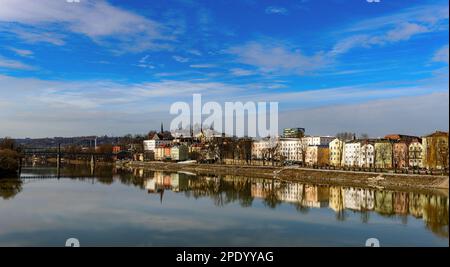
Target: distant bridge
{"points": [[47, 177], [61, 153]]}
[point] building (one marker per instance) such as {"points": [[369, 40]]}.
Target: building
{"points": [[401, 137], [336, 148], [435, 150], [400, 147], [293, 132], [317, 156], [162, 153], [383, 153], [116, 149], [367, 154], [415, 151], [401, 156], [317, 140], [150, 145], [260, 147], [291, 149], [179, 153], [352, 152]]}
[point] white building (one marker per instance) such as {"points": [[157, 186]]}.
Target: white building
{"points": [[179, 152], [352, 152], [259, 147], [317, 140], [415, 151], [156, 141], [367, 155], [291, 149]]}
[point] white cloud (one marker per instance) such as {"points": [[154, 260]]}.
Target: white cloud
{"points": [[270, 57], [194, 52], [21, 52], [202, 66], [144, 62], [180, 59], [14, 64], [393, 28], [276, 10], [401, 32], [418, 115], [241, 72], [441, 55], [99, 20]]}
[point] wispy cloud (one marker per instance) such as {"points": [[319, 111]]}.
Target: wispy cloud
{"points": [[21, 52], [441, 55], [98, 20], [202, 66], [277, 57], [14, 64], [180, 59], [400, 26], [242, 72], [276, 10]]}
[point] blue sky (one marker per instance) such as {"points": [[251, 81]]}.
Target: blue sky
{"points": [[113, 67]]}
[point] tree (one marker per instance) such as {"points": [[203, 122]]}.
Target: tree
{"points": [[105, 148], [383, 154], [442, 154], [8, 143], [363, 136]]}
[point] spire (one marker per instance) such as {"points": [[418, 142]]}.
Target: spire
{"points": [[162, 127]]}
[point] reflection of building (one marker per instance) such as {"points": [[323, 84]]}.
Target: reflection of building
{"points": [[316, 196], [291, 192], [401, 203], [359, 199], [336, 198], [384, 202]]}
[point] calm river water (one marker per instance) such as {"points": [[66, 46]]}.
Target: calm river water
{"points": [[149, 208]]}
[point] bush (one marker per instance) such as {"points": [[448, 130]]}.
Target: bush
{"points": [[9, 161]]}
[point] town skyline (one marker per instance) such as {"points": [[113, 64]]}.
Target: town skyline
{"points": [[332, 66]]}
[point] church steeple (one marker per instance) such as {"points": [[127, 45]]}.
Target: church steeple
{"points": [[162, 128]]}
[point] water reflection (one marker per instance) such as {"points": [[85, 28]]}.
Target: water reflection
{"points": [[433, 209], [343, 201], [9, 188]]}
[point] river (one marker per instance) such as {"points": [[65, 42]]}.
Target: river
{"points": [[137, 207]]}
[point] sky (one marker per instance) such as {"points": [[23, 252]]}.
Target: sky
{"points": [[115, 67]]}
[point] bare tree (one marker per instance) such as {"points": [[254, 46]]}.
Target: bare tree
{"points": [[382, 153], [345, 136]]}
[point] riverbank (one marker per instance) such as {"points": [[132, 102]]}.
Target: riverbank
{"points": [[390, 181]]}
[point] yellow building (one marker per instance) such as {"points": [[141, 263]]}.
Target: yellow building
{"points": [[435, 150], [336, 148], [383, 154]]}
